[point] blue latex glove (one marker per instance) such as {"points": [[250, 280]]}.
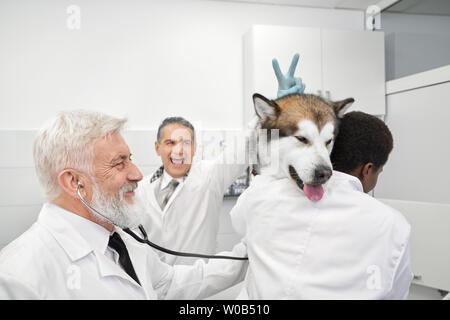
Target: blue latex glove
{"points": [[288, 84]]}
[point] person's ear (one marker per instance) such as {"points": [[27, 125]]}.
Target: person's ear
{"points": [[366, 176], [367, 169], [157, 148], [70, 180]]}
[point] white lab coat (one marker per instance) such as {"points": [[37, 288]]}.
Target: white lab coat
{"points": [[64, 256], [190, 220], [346, 246]]}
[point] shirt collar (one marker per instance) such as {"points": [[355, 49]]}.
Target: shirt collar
{"points": [[160, 172], [166, 178], [353, 182], [78, 236]]}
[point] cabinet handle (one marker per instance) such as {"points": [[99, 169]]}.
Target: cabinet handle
{"points": [[319, 93], [328, 94], [417, 277]]}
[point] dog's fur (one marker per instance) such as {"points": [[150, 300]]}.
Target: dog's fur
{"points": [[307, 126]]}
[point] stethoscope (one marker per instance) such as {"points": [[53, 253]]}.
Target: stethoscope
{"points": [[151, 244]]}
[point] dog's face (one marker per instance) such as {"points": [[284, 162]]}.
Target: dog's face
{"points": [[307, 127]]}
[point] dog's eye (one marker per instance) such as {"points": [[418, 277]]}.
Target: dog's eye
{"points": [[302, 139], [329, 141]]}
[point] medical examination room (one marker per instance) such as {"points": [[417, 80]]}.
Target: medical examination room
{"points": [[225, 149]]}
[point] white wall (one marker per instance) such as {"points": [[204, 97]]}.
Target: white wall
{"points": [[415, 178], [417, 166], [145, 59], [139, 58]]}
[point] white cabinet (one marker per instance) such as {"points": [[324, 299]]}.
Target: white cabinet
{"points": [[353, 66], [429, 241], [336, 64]]}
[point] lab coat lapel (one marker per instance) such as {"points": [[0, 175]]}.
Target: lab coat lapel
{"points": [[108, 268], [151, 195], [173, 197], [77, 248], [70, 240], [138, 259]]}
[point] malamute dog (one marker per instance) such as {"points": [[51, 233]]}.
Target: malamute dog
{"points": [[307, 126]]}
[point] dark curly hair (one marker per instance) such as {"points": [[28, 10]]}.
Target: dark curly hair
{"points": [[362, 138]]}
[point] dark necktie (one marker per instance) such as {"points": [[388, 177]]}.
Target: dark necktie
{"points": [[166, 193], [116, 242]]}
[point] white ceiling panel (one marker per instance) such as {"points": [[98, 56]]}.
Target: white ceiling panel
{"points": [[433, 7]]}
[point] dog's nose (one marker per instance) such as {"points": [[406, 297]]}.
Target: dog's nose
{"points": [[322, 174]]}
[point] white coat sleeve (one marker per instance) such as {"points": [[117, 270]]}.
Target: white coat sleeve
{"points": [[402, 277], [12, 289], [202, 279], [237, 214]]}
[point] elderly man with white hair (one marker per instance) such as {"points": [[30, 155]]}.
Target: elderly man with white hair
{"points": [[72, 252]]}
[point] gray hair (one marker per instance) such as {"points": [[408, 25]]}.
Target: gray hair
{"points": [[171, 120], [67, 141]]}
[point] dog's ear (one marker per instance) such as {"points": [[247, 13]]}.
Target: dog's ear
{"points": [[340, 107], [265, 108]]}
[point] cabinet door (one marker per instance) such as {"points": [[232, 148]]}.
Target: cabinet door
{"points": [[353, 66], [263, 43], [429, 241]]}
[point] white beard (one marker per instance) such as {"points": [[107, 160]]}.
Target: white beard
{"points": [[116, 210]]}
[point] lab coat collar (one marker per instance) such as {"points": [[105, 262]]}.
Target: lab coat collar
{"points": [[80, 237], [353, 182], [76, 235]]}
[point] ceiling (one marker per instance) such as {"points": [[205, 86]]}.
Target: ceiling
{"points": [[432, 7]]}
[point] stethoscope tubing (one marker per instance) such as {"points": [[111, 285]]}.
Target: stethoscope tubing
{"points": [[153, 245], [176, 253]]}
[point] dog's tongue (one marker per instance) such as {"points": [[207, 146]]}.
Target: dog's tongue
{"points": [[314, 193]]}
